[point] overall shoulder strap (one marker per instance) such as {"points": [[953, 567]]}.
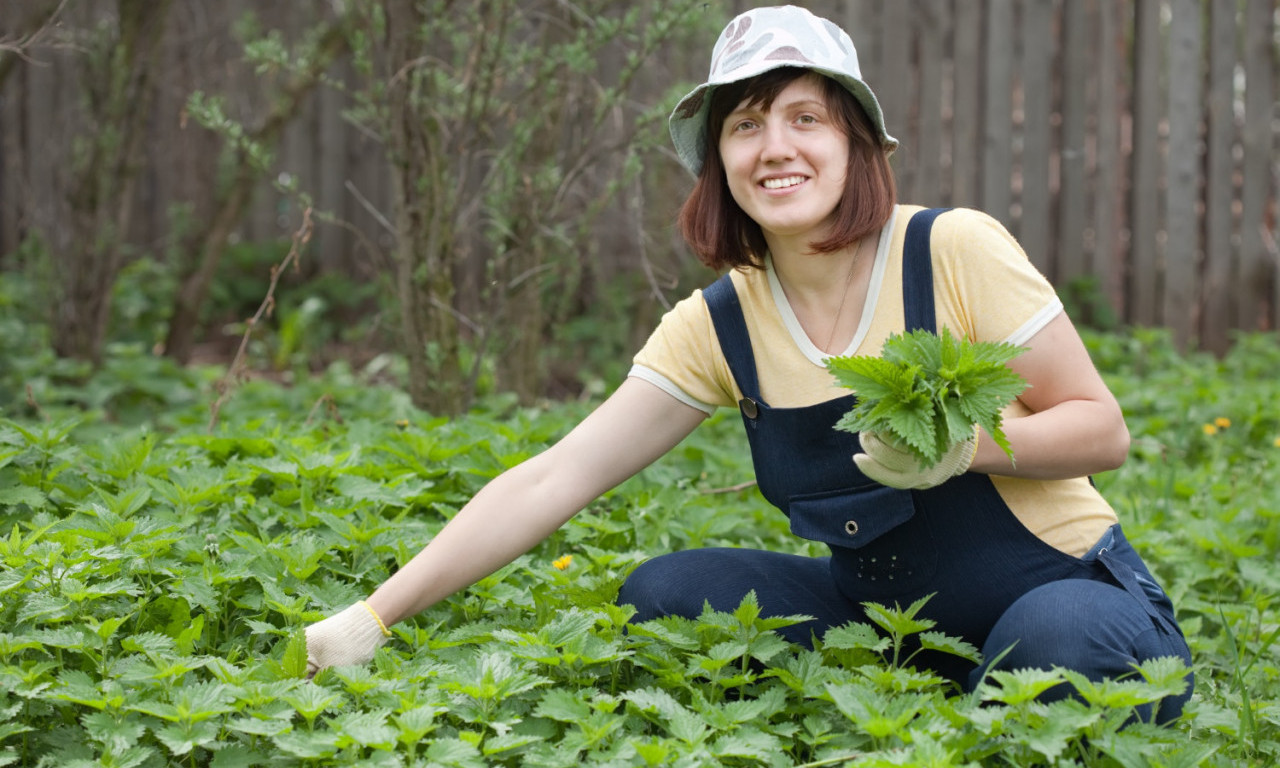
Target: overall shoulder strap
{"points": [[731, 330], [917, 272]]}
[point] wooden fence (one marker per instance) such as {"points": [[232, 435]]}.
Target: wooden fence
{"points": [[1130, 145]]}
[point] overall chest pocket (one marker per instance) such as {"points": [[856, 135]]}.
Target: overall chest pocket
{"points": [[852, 517], [880, 543]]}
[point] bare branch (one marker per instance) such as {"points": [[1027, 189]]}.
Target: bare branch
{"points": [[239, 367], [372, 211], [42, 20]]}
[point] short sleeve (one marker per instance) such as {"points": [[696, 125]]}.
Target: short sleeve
{"points": [[683, 357], [985, 282]]}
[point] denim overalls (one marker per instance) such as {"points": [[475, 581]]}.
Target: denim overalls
{"points": [[958, 542]]}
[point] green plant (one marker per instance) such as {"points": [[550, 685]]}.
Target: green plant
{"points": [[155, 578], [929, 390]]}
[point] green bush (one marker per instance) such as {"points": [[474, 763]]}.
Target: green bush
{"points": [[157, 576]]}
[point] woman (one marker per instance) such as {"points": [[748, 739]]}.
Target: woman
{"points": [[794, 191]]}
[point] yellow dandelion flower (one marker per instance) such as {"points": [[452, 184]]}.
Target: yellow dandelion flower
{"points": [[561, 563], [402, 423], [1222, 422], [1276, 442], [1210, 429]]}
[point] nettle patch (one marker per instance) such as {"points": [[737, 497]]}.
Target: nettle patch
{"points": [[156, 580]]}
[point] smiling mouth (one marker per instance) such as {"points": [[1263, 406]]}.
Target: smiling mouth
{"points": [[783, 183]]}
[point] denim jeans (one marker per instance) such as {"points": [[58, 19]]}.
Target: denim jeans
{"points": [[1093, 627]]}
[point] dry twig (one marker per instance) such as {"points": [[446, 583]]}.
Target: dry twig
{"points": [[239, 367], [730, 489]]}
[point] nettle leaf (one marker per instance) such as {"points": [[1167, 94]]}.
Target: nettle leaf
{"points": [[366, 729], [295, 655], [416, 723], [749, 745], [358, 488], [928, 390], [115, 732], [937, 641], [23, 494], [898, 621], [873, 712], [454, 752], [1018, 686], [855, 636], [308, 744], [150, 643], [804, 673], [681, 723], [563, 705]]}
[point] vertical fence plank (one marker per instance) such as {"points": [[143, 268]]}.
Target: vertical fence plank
{"points": [[967, 119], [1183, 188], [1072, 256], [894, 86], [1037, 88], [261, 223], [1144, 189], [1220, 136], [1256, 303], [932, 20], [863, 20], [11, 164], [331, 138], [45, 84], [997, 112], [1108, 173]]}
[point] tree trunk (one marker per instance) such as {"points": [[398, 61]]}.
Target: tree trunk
{"points": [[424, 213], [121, 88]]}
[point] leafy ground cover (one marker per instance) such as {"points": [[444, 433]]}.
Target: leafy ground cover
{"points": [[156, 576]]}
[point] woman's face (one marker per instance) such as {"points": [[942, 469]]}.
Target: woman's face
{"points": [[786, 166]]}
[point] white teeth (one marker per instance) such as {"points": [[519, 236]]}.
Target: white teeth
{"points": [[789, 181]]}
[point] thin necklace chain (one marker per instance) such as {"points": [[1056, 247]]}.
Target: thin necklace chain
{"points": [[848, 281]]}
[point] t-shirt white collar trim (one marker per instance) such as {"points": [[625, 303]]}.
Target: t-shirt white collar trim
{"points": [[792, 323]]}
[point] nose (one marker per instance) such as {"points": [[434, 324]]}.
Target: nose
{"points": [[777, 145]]}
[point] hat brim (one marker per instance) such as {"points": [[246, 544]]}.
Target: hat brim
{"points": [[688, 121]]}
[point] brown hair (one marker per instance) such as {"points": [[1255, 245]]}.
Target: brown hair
{"points": [[721, 233]]}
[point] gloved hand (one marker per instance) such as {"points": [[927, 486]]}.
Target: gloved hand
{"points": [[348, 637], [888, 463]]}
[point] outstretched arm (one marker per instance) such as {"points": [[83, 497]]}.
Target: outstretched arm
{"points": [[521, 507], [510, 515]]}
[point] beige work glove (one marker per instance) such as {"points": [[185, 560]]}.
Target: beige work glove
{"points": [[888, 463], [346, 638]]}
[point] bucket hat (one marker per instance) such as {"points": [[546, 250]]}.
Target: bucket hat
{"points": [[761, 40]]}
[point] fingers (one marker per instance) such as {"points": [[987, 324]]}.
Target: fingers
{"points": [[887, 454], [878, 472]]}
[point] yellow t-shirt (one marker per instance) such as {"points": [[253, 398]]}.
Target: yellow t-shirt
{"points": [[985, 289]]}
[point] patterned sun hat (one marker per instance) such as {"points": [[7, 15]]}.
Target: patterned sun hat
{"points": [[763, 39]]}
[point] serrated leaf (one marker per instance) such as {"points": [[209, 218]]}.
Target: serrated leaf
{"points": [[181, 739], [308, 744], [928, 390], [367, 729], [937, 641], [855, 635], [747, 744], [150, 643], [455, 752], [295, 655], [563, 705], [23, 494]]}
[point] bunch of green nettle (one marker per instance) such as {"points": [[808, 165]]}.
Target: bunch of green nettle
{"points": [[927, 390]]}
